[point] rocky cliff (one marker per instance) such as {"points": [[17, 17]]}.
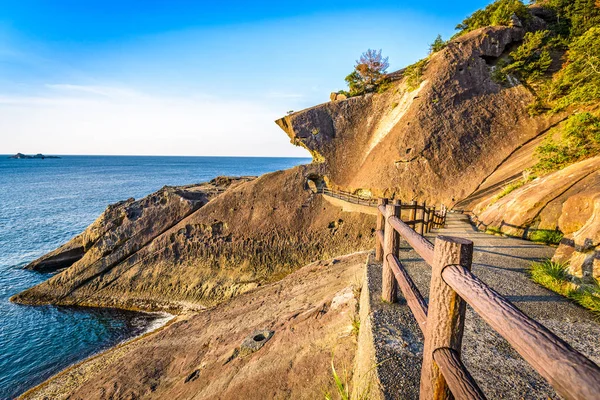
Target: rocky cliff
{"points": [[437, 142]]}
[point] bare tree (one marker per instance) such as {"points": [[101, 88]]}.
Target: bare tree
{"points": [[372, 66], [368, 72]]}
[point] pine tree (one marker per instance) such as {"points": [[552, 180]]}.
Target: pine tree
{"points": [[437, 45]]}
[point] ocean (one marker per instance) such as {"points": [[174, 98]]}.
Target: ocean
{"points": [[43, 203]]}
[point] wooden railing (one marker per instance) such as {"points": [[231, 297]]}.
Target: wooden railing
{"points": [[452, 286], [349, 197], [428, 219]]}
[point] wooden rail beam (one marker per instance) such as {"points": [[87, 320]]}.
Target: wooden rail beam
{"points": [[409, 290], [421, 245], [570, 373], [459, 380], [445, 315], [391, 245]]}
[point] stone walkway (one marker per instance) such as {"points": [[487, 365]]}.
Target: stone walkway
{"points": [[501, 373]]}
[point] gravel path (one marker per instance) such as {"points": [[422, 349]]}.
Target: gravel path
{"points": [[501, 373]]}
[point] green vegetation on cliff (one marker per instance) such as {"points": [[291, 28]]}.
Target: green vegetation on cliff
{"points": [[497, 13], [580, 139], [571, 40], [368, 75]]}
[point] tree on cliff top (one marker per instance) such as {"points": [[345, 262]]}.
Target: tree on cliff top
{"points": [[437, 45], [498, 13], [368, 73]]}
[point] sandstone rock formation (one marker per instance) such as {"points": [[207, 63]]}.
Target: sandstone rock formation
{"points": [[565, 200], [199, 356], [337, 96], [125, 227], [159, 253], [437, 142]]}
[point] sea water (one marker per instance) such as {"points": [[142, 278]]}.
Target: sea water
{"points": [[43, 203]]}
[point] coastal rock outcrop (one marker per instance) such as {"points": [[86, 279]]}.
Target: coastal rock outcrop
{"points": [[24, 156], [200, 356], [204, 250], [125, 227]]}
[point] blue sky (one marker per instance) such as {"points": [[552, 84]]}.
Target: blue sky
{"points": [[189, 77]]}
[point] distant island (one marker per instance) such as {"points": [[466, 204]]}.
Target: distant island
{"points": [[21, 155]]}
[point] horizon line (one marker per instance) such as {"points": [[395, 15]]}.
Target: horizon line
{"points": [[150, 155]]}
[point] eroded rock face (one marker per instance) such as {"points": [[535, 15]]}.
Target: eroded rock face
{"points": [[435, 143], [567, 200], [149, 255], [200, 356], [580, 221], [126, 226]]}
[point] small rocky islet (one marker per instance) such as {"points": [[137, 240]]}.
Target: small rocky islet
{"points": [[21, 156]]}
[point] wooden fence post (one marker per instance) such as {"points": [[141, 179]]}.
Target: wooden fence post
{"points": [[422, 224], [380, 226], [426, 218], [444, 216], [413, 214], [445, 315], [389, 286], [432, 219]]}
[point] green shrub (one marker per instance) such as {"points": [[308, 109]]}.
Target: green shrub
{"points": [[546, 236], [493, 230], [384, 85], [369, 74], [554, 276], [355, 326], [580, 139], [414, 74], [579, 81], [506, 190], [510, 188], [437, 45], [574, 17], [531, 59], [497, 13]]}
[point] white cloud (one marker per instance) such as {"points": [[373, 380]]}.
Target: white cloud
{"points": [[107, 91], [75, 119]]}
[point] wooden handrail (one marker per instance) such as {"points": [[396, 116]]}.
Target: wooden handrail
{"points": [[571, 374], [353, 198], [421, 245], [391, 245], [461, 383], [413, 297]]}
